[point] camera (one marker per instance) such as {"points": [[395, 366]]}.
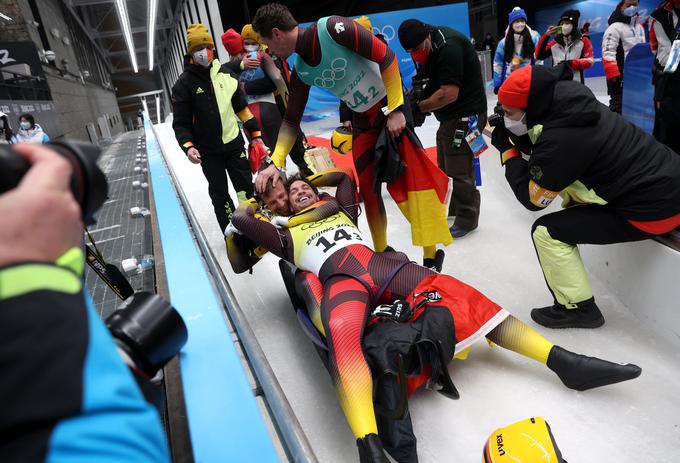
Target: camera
{"points": [[415, 94], [88, 183], [147, 329], [496, 118]]}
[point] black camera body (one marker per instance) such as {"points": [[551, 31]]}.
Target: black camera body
{"points": [[147, 329], [496, 118], [414, 95]]}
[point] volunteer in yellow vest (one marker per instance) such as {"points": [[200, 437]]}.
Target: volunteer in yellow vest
{"points": [[205, 99]]}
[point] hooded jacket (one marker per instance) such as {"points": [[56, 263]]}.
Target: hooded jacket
{"points": [[663, 31], [575, 48], [622, 34], [204, 103], [33, 135], [590, 154], [501, 68]]}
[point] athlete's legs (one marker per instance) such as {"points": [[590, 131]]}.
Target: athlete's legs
{"points": [[367, 127], [574, 370], [309, 288], [344, 310]]}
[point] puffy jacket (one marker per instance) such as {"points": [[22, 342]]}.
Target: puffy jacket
{"points": [[622, 34], [33, 135], [501, 69], [663, 31], [577, 50], [205, 104], [590, 154]]}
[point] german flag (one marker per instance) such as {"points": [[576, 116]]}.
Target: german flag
{"points": [[422, 193]]}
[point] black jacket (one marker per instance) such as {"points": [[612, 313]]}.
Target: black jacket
{"points": [[582, 140], [196, 114]]}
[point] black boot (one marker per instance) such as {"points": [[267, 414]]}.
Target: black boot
{"points": [[585, 315], [436, 263], [581, 372], [371, 450]]}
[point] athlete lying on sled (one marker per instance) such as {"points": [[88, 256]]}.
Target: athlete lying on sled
{"points": [[344, 279]]}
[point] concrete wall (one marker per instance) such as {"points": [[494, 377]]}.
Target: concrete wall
{"points": [[78, 105], [644, 276]]}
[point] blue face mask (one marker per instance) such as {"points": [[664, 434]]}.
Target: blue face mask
{"points": [[631, 10]]}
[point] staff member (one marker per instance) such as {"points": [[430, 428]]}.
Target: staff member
{"points": [[455, 93], [205, 100], [625, 183], [665, 30]]}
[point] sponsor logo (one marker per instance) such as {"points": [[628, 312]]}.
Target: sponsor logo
{"points": [[499, 444], [340, 27], [199, 90]]}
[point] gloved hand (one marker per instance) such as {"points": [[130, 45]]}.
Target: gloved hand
{"points": [[495, 90], [230, 230], [280, 221], [501, 141], [257, 151], [614, 86]]}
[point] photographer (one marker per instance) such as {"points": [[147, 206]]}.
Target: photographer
{"points": [[618, 184], [455, 93], [65, 393]]}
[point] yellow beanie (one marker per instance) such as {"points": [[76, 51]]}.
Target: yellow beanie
{"points": [[197, 35], [249, 33], [364, 22]]}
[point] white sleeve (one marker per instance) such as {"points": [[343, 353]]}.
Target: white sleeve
{"points": [[664, 44], [610, 42]]}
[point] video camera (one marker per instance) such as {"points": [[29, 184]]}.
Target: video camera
{"points": [[147, 330], [496, 118], [415, 94]]}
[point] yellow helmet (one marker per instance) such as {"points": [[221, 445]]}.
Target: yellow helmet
{"points": [[364, 22], [528, 441], [341, 140]]}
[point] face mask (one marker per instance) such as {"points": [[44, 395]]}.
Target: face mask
{"points": [[25, 125], [420, 56], [630, 11], [203, 57], [518, 128], [567, 29], [251, 47], [518, 26]]}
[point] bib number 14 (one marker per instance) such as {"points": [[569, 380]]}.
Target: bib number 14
{"points": [[340, 234]]}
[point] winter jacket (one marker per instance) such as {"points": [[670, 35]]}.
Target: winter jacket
{"points": [[663, 31], [591, 155], [33, 135], [501, 68], [205, 105], [622, 34], [574, 48]]}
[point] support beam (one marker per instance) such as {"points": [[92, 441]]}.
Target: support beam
{"points": [[88, 33], [133, 30]]}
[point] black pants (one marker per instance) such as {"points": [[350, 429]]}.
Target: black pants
{"points": [[667, 121], [586, 224], [457, 163], [232, 160]]}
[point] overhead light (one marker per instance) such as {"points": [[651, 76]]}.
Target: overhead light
{"points": [[121, 6], [153, 6], [158, 109], [5, 17]]}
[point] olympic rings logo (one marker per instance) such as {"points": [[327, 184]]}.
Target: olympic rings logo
{"points": [[387, 31], [319, 223], [330, 76]]}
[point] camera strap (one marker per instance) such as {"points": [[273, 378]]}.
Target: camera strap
{"points": [[109, 273]]}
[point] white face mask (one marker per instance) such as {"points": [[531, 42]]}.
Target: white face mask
{"points": [[631, 10], [203, 57], [519, 127], [251, 47], [567, 29], [25, 125], [518, 26]]}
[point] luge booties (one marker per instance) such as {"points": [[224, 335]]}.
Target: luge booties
{"points": [[581, 372], [435, 264], [585, 315], [371, 450]]}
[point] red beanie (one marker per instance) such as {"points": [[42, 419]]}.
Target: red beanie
{"points": [[233, 42], [515, 90]]}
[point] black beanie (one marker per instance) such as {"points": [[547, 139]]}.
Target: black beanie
{"points": [[572, 16], [412, 33]]}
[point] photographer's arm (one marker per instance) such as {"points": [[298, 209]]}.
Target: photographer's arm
{"points": [[55, 347]]}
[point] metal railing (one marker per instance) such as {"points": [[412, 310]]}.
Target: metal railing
{"points": [[23, 87]]}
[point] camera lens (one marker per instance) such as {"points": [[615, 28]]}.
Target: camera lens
{"points": [[88, 183]]}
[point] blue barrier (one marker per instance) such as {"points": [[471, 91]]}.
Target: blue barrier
{"points": [[638, 91], [225, 422]]}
